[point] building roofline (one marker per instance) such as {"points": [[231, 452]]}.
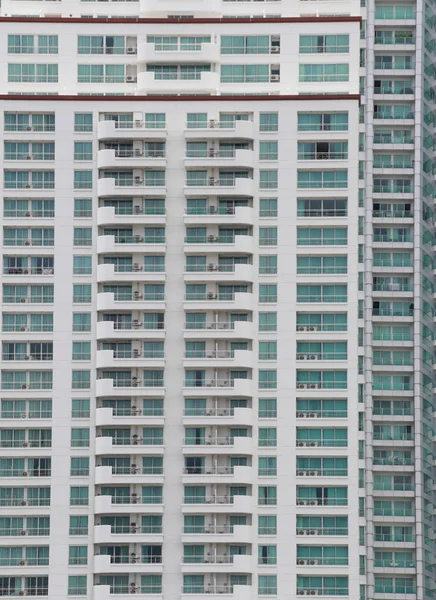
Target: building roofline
{"points": [[163, 20], [187, 98]]}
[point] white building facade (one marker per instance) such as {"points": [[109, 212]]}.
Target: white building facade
{"points": [[216, 368]]}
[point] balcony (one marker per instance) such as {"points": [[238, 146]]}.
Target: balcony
{"points": [[214, 158], [219, 358], [105, 534], [218, 474], [220, 387], [211, 243], [218, 504], [218, 443], [216, 532], [219, 329], [133, 475], [214, 215], [107, 215], [136, 272], [137, 329], [128, 130], [206, 83], [206, 52], [108, 301], [219, 563], [213, 129], [212, 186], [129, 159], [112, 417], [111, 244], [135, 187], [199, 8], [109, 359], [126, 564], [134, 387], [217, 273], [131, 504], [212, 301], [218, 416]]}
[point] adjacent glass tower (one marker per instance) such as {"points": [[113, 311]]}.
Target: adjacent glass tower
{"points": [[217, 300]]}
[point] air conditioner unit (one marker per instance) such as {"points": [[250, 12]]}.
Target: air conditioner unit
{"points": [[137, 267], [315, 386], [137, 210], [137, 296], [302, 502], [275, 49], [24, 386], [301, 531], [23, 592], [213, 123], [23, 532], [314, 592], [275, 78], [313, 473], [211, 296], [301, 328], [24, 415], [130, 50], [313, 444], [29, 157], [28, 243], [301, 473], [28, 186], [313, 503], [313, 328], [136, 353], [27, 357], [138, 179], [301, 444], [130, 79], [302, 592], [23, 328], [23, 299], [301, 356], [24, 503], [23, 563], [313, 532], [25, 474], [313, 415], [301, 386], [29, 128], [301, 561], [301, 415], [313, 357], [138, 123], [28, 214], [25, 444]]}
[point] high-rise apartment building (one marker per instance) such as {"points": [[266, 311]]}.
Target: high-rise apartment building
{"points": [[217, 300]]}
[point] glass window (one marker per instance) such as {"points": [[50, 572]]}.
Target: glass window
{"points": [[83, 122], [82, 150], [82, 180], [81, 293], [82, 265], [81, 380], [269, 121], [77, 584], [79, 496], [268, 150], [81, 321], [82, 207], [268, 179], [81, 350], [82, 236], [80, 408]]}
